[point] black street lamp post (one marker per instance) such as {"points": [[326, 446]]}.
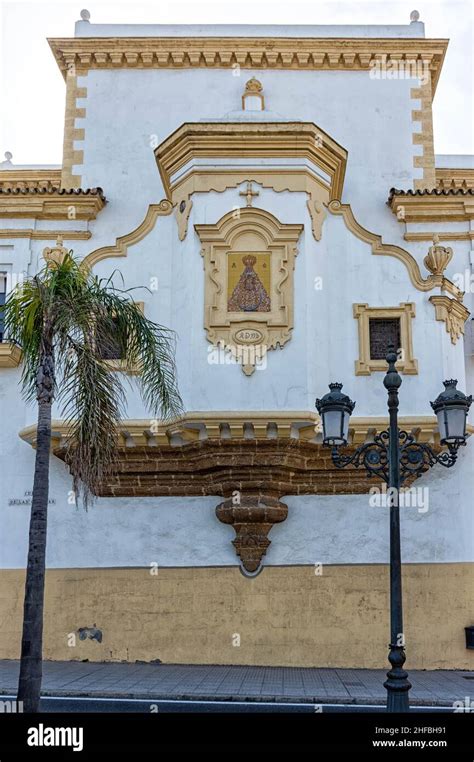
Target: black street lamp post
{"points": [[395, 456]]}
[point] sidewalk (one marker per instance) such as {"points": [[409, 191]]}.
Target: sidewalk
{"points": [[238, 683]]}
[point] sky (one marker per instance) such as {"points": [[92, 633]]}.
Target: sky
{"points": [[32, 90]]}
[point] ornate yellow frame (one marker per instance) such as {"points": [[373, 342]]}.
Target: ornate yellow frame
{"points": [[248, 335], [365, 365]]}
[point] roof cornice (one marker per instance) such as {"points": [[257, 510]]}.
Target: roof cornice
{"points": [[29, 178], [83, 53], [51, 203], [456, 177], [432, 205]]}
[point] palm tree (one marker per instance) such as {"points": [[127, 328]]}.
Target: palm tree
{"points": [[67, 321]]}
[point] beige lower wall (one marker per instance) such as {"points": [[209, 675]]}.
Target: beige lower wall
{"points": [[285, 616]]}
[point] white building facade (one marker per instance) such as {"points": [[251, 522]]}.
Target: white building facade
{"points": [[197, 160]]}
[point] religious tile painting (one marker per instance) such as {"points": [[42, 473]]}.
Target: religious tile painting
{"points": [[248, 282]]}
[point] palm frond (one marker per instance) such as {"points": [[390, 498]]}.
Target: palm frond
{"points": [[93, 403], [87, 318], [143, 344]]}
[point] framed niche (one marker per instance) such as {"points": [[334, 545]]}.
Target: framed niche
{"points": [[249, 259]]}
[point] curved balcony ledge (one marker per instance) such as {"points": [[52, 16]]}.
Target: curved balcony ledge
{"points": [[250, 459], [237, 425]]}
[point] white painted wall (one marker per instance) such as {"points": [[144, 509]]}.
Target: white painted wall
{"points": [[127, 113], [454, 160], [324, 346], [185, 532]]}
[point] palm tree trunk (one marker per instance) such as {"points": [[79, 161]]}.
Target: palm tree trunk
{"points": [[29, 686]]}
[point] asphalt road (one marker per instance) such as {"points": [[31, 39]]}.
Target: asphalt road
{"points": [[83, 704]]}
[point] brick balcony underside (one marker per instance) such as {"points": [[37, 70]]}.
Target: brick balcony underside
{"points": [[272, 467]]}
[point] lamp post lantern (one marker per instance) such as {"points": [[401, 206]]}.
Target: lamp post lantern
{"points": [[395, 456]]}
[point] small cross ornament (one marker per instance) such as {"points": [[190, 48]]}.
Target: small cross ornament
{"points": [[249, 193]]}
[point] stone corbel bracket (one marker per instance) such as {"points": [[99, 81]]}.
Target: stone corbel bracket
{"points": [[453, 313], [252, 515]]}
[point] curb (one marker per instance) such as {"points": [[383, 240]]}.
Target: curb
{"points": [[308, 700]]}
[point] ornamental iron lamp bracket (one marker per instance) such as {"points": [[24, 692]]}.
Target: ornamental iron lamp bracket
{"points": [[395, 456]]}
